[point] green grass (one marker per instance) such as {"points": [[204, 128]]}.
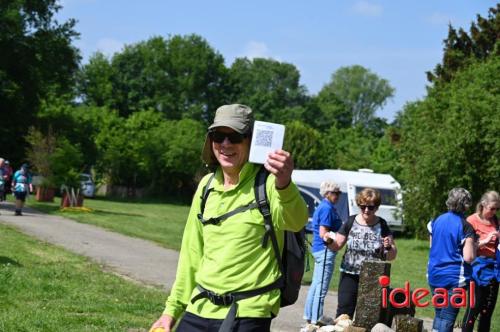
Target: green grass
{"points": [[162, 223], [44, 288]]}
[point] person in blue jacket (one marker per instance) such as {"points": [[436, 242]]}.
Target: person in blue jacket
{"points": [[452, 251], [325, 219]]}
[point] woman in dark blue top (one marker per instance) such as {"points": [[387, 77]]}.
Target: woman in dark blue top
{"points": [[325, 219], [452, 251]]}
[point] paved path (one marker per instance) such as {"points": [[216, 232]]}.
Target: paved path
{"points": [[139, 260]]}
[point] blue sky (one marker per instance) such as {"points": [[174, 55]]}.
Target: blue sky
{"points": [[397, 40]]}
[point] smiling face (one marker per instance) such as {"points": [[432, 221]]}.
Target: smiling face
{"points": [[231, 156]]}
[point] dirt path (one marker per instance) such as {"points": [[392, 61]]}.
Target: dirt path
{"points": [[133, 258]]}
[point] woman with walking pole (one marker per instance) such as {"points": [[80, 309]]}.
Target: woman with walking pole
{"points": [[325, 219]]}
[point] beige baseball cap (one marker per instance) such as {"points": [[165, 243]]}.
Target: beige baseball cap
{"points": [[235, 116]]}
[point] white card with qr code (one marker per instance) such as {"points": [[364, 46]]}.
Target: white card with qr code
{"points": [[267, 137]]}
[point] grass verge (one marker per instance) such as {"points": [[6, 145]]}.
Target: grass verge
{"points": [[162, 223], [44, 288]]}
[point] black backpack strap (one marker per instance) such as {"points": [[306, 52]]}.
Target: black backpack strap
{"points": [[349, 223], [265, 210], [216, 220], [205, 193]]}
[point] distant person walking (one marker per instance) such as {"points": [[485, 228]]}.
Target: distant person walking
{"points": [[485, 268], [2, 179], [7, 175], [21, 184], [325, 219], [450, 256]]}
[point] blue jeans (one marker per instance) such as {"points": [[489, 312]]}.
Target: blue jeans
{"points": [[444, 318], [323, 271]]}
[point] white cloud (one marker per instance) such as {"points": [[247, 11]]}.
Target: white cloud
{"points": [[255, 49], [439, 19], [109, 46], [367, 9]]}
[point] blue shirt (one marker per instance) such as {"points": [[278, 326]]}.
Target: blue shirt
{"points": [[446, 267], [325, 215], [22, 180]]}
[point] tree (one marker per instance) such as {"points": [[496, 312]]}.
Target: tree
{"points": [[199, 78], [40, 148], [357, 89], [179, 144], [331, 111], [461, 49], [270, 87], [349, 148], [95, 82], [450, 139], [79, 124], [181, 77], [305, 144], [36, 59]]}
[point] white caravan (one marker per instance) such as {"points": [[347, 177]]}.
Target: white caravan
{"points": [[351, 183]]}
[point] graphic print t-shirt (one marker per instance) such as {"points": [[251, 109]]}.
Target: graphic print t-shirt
{"points": [[363, 243]]}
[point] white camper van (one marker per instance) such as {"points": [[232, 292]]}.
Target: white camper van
{"points": [[351, 183]]}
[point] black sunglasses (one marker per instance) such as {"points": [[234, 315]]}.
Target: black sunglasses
{"points": [[233, 137], [369, 207]]}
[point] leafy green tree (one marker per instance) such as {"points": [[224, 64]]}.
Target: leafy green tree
{"points": [[450, 139], [140, 77], [66, 164], [270, 87], [199, 78], [385, 158], [40, 148], [462, 48], [349, 148], [359, 91], [179, 144], [36, 59], [121, 146], [306, 145], [181, 77], [95, 81], [331, 111], [80, 124]]}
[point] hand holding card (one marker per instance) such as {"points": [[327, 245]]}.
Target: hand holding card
{"points": [[267, 137]]}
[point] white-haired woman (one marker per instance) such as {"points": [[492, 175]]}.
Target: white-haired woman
{"points": [[325, 219], [485, 268], [452, 251]]}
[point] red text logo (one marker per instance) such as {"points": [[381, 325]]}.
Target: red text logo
{"points": [[440, 299]]}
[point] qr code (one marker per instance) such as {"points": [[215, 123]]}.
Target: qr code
{"points": [[264, 138]]}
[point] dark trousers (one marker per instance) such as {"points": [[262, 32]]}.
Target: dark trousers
{"points": [[486, 298], [347, 294], [193, 323]]}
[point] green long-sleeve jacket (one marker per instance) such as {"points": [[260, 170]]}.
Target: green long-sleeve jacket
{"points": [[229, 256]]}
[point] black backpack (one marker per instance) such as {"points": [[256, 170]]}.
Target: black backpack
{"points": [[292, 262]]}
